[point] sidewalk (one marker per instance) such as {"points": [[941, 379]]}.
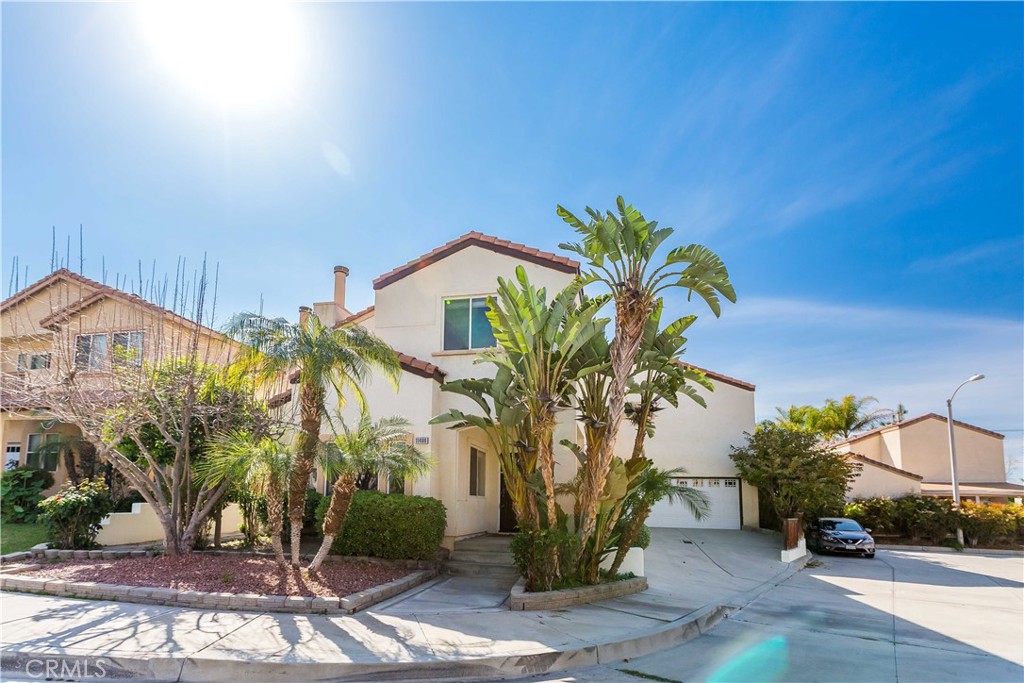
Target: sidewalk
{"points": [[452, 627]]}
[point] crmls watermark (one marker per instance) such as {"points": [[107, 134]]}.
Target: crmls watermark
{"points": [[67, 668]]}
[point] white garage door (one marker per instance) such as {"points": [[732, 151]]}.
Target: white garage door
{"points": [[724, 495]]}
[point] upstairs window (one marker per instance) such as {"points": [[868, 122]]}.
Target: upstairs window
{"points": [[39, 458], [466, 325], [33, 361], [128, 347], [90, 351]]}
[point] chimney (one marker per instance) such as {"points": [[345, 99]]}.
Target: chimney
{"points": [[340, 275], [304, 312]]}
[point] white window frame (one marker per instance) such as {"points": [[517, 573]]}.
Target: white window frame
{"points": [[43, 440], [136, 342], [27, 361], [478, 483], [13, 448], [92, 363], [469, 342]]}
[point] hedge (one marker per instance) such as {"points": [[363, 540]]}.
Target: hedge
{"points": [[393, 527], [923, 518]]}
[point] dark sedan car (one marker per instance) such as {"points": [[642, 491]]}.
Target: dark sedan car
{"points": [[841, 535]]}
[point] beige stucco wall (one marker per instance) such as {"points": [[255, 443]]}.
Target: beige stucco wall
{"points": [[408, 315], [922, 447], [701, 439], [141, 525], [925, 449], [876, 482]]}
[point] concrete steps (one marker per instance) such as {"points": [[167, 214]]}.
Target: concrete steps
{"points": [[482, 556]]}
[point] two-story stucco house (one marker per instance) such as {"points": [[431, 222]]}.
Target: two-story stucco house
{"points": [[68, 322], [432, 312], [912, 457]]}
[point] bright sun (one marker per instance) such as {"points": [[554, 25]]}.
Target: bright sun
{"points": [[231, 53]]}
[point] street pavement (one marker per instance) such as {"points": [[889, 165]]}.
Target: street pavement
{"points": [[904, 616]]}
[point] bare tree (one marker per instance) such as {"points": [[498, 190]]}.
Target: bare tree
{"points": [[146, 387]]}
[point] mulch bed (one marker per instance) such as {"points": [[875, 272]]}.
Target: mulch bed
{"points": [[225, 574]]}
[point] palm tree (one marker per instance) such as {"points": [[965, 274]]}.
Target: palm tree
{"points": [[537, 343], [620, 251], [655, 485], [261, 466], [848, 416], [341, 357], [379, 447], [799, 418]]}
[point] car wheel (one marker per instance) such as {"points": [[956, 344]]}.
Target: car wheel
{"points": [[869, 555]]}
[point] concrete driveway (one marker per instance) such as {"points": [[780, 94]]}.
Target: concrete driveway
{"points": [[904, 616]]}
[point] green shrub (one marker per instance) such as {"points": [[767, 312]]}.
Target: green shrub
{"points": [[924, 517], [312, 519], [392, 527], [533, 554], [21, 489], [643, 539], [877, 514], [989, 524], [72, 516]]}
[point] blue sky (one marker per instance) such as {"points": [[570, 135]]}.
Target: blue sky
{"points": [[858, 167]]}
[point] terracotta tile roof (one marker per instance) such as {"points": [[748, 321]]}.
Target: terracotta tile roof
{"points": [[421, 368], [408, 363], [881, 465], [721, 378], [915, 420], [101, 292], [478, 239], [62, 274], [358, 316]]}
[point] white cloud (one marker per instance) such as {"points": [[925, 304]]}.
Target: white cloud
{"points": [[972, 254]]}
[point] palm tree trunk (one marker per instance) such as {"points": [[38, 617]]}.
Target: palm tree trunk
{"points": [[341, 500], [275, 511], [630, 316], [636, 523], [311, 395], [546, 457]]}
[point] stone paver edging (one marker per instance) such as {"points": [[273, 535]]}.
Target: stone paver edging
{"points": [[230, 601], [519, 599]]}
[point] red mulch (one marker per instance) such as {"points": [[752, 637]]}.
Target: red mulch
{"points": [[225, 574]]}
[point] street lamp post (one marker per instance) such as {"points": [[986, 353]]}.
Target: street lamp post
{"points": [[952, 451]]}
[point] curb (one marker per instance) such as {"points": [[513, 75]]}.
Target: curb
{"points": [[198, 669], [945, 549]]}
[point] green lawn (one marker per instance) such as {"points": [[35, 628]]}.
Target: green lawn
{"points": [[17, 537]]}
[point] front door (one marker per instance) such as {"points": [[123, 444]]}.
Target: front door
{"points": [[506, 517]]}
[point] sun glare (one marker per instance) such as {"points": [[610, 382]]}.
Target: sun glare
{"points": [[231, 53]]}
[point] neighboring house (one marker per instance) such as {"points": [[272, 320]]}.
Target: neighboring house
{"points": [[912, 457], [67, 322], [432, 312]]}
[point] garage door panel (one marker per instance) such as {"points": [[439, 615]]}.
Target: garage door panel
{"points": [[724, 495]]}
